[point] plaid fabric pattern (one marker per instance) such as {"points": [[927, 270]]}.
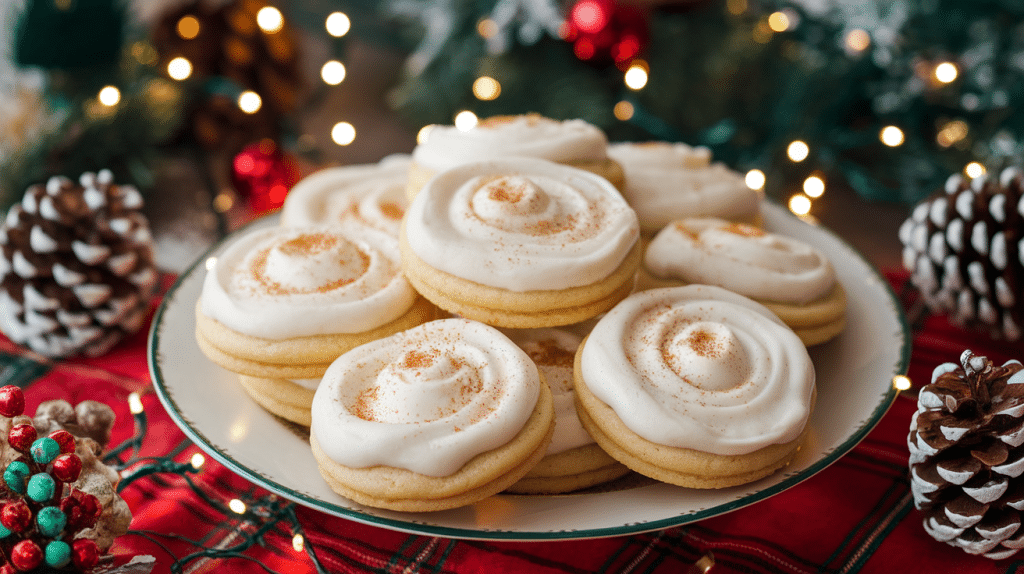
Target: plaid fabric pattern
{"points": [[855, 516]]}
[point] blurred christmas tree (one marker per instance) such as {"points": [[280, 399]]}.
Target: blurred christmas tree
{"points": [[891, 96]]}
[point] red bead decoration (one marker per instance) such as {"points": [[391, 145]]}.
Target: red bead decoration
{"points": [[81, 508], [21, 437], [67, 467], [65, 439], [605, 30], [263, 174], [12, 401], [26, 555], [16, 516], [84, 553], [7, 568]]}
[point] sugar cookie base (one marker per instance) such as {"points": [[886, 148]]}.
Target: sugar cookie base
{"points": [[519, 309], [280, 397], [574, 469], [680, 466], [484, 475], [297, 357]]}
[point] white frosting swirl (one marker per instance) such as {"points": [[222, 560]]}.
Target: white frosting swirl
{"points": [[554, 351], [666, 181], [359, 197], [521, 224], [741, 258], [702, 368], [283, 282], [427, 399], [504, 136]]}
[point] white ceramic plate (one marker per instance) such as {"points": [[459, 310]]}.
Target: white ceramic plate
{"points": [[855, 373]]}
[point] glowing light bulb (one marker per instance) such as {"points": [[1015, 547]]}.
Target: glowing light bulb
{"points": [[211, 262], [298, 543], [236, 506], [755, 179], [465, 120], [951, 133], [250, 102], [332, 72], [857, 40], [135, 404], [800, 204], [636, 77], [901, 382], [814, 186], [188, 27], [946, 72], [778, 22], [974, 169], [623, 111], [179, 68], [338, 24], [198, 460], [798, 151], [486, 88], [487, 28], [891, 136], [343, 133], [270, 20], [424, 133], [109, 96]]}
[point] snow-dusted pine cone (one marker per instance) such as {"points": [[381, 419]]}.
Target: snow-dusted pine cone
{"points": [[77, 269], [966, 459], [964, 247]]}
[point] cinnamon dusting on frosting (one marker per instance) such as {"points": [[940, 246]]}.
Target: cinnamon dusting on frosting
{"points": [[744, 229], [704, 344], [305, 245], [392, 210]]}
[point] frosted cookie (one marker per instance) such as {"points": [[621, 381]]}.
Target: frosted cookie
{"points": [[695, 386], [436, 417], [283, 303], [571, 142], [357, 197], [669, 181], [790, 277], [573, 460], [520, 242]]}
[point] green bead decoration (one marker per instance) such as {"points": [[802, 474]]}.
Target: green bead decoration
{"points": [[15, 475], [44, 450], [4, 532], [58, 554], [51, 521], [41, 487]]}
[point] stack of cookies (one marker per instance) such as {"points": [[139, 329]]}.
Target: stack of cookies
{"points": [[524, 308]]}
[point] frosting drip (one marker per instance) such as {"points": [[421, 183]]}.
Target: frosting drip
{"points": [[554, 352], [700, 367], [428, 399], [358, 197], [528, 135], [290, 282], [521, 224], [666, 181], [741, 258]]}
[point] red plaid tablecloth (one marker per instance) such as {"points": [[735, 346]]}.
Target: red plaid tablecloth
{"points": [[855, 516]]}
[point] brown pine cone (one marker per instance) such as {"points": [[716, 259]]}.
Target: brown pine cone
{"points": [[964, 247], [966, 457], [77, 269]]}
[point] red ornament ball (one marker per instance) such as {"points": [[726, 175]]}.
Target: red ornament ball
{"points": [[12, 401], [605, 30], [84, 553], [16, 516], [21, 437], [26, 555], [67, 467], [7, 568], [65, 439], [82, 509], [263, 174]]}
